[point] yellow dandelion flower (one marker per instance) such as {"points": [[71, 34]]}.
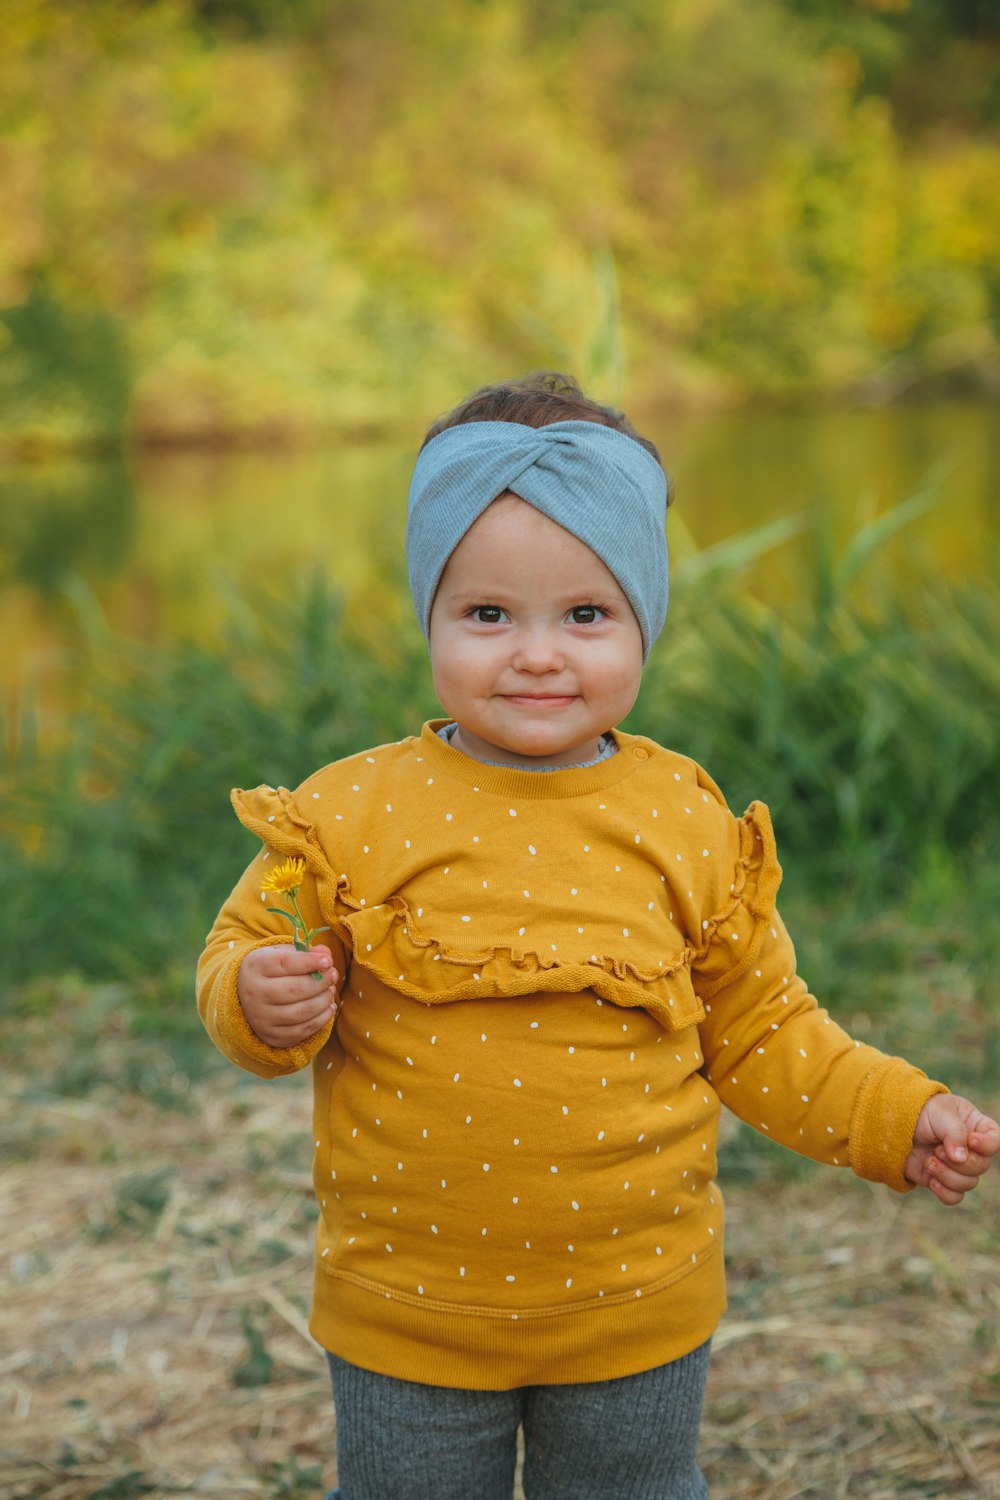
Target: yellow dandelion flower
{"points": [[285, 878]]}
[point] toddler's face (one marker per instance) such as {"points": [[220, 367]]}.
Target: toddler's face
{"points": [[534, 647]]}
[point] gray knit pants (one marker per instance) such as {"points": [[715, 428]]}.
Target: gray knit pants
{"points": [[629, 1439]]}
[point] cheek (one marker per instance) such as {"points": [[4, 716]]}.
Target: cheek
{"points": [[631, 664], [439, 677], [621, 678], [456, 670]]}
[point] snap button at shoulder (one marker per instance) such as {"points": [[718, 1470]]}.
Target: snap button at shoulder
{"points": [[640, 752]]}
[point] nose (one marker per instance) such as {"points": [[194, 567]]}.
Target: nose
{"points": [[538, 652]]}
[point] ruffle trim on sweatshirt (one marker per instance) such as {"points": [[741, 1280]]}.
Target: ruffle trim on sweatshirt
{"points": [[271, 814], [750, 909], [386, 940]]}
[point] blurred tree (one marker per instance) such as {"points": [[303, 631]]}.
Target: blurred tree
{"points": [[323, 215], [936, 60], [254, 18], [63, 370], [65, 518]]}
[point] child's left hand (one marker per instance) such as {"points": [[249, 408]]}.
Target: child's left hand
{"points": [[953, 1144]]}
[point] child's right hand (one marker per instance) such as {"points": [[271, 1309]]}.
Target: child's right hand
{"points": [[282, 1001]]}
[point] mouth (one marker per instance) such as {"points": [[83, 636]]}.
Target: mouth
{"points": [[540, 700]]}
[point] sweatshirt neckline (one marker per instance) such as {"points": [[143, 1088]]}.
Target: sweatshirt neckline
{"points": [[511, 781]]}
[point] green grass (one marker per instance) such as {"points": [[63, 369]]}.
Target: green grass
{"points": [[258, 1365], [136, 845]]}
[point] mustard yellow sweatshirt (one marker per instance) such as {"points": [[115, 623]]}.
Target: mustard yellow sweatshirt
{"points": [[551, 981]]}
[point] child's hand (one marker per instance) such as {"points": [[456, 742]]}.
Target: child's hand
{"points": [[952, 1147], [281, 999]]}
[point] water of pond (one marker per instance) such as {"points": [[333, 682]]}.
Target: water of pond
{"points": [[150, 547]]}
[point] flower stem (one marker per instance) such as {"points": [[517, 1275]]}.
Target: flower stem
{"points": [[299, 924]]}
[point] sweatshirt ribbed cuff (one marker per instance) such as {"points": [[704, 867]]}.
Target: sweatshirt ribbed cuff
{"points": [[883, 1121]]}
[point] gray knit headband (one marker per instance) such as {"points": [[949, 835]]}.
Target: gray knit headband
{"points": [[596, 482]]}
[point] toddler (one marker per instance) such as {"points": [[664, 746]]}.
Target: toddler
{"points": [[551, 953]]}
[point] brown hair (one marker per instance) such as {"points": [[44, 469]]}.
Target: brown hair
{"points": [[535, 401]]}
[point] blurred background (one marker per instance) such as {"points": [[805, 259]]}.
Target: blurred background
{"points": [[251, 248]]}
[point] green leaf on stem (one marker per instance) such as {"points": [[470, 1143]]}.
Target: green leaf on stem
{"points": [[276, 911]]}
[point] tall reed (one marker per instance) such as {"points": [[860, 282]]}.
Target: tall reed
{"points": [[866, 718]]}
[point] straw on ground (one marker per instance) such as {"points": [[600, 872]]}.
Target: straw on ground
{"points": [[156, 1266]]}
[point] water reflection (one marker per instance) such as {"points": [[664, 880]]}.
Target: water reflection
{"points": [[61, 519], [156, 556], [737, 469]]}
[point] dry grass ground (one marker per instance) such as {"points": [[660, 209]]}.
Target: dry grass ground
{"points": [[155, 1265]]}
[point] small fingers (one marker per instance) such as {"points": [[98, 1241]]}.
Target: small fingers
{"points": [[306, 1012], [971, 1165], [289, 990], [985, 1138], [945, 1195], [948, 1184], [291, 961], [294, 1024]]}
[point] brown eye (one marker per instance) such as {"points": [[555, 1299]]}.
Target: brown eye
{"points": [[585, 614], [488, 614]]}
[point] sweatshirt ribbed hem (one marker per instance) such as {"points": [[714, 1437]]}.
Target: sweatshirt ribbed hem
{"points": [[598, 1341]]}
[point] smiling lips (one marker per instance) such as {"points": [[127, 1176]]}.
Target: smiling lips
{"points": [[540, 700]]}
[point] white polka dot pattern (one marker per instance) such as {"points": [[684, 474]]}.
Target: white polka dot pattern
{"points": [[496, 1153], [498, 1120]]}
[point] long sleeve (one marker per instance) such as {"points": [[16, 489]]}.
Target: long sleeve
{"points": [[775, 1057], [242, 925], [515, 1123]]}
